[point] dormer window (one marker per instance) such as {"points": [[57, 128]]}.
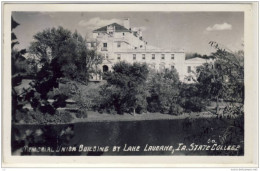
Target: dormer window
{"points": [[143, 56], [123, 34], [110, 29], [153, 56], [110, 34], [172, 56]]}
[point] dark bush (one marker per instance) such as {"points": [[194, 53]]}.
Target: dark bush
{"points": [[40, 118], [141, 109], [176, 109], [81, 114], [193, 104], [153, 106]]}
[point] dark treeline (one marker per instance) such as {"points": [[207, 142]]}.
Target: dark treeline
{"points": [[194, 55]]}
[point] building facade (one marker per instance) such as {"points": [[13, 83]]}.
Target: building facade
{"points": [[120, 43], [191, 66]]}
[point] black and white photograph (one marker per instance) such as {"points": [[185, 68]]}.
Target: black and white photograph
{"points": [[127, 83]]}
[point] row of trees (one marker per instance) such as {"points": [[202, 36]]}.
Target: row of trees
{"points": [[194, 55], [135, 88], [57, 54]]}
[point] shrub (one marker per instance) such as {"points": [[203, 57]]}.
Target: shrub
{"points": [[193, 104], [40, 118], [176, 109], [81, 114], [153, 106], [88, 97]]}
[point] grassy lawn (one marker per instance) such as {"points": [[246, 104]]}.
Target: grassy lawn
{"points": [[97, 117]]}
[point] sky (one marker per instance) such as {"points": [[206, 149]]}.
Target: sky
{"points": [[190, 31]]}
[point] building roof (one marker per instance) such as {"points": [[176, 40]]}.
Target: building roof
{"points": [[197, 60], [118, 28]]}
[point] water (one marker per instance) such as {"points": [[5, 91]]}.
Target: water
{"points": [[106, 135]]}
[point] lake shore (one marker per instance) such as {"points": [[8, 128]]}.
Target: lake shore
{"points": [[97, 117], [104, 117]]}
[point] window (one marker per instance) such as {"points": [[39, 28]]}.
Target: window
{"points": [[118, 56], [172, 67], [110, 33], [189, 69], [163, 56], [143, 56], [134, 56], [123, 34], [141, 46], [104, 48], [153, 56], [189, 79], [172, 56], [118, 44]]}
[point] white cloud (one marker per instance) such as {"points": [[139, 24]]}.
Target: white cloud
{"points": [[97, 22], [219, 27]]}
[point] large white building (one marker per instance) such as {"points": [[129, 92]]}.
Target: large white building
{"points": [[120, 43]]}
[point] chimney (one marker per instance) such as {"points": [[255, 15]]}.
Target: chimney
{"points": [[127, 23]]}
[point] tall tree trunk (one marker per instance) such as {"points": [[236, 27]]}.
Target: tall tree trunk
{"points": [[134, 111]]}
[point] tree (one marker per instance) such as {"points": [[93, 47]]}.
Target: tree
{"points": [[60, 54], [128, 82], [17, 58], [54, 50], [69, 50], [191, 99], [223, 79], [164, 91]]}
